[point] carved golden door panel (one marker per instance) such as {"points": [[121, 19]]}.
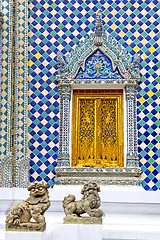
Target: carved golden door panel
{"points": [[97, 128]]}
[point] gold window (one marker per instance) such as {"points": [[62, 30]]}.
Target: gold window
{"points": [[97, 128]]}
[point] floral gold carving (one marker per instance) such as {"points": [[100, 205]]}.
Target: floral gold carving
{"points": [[97, 128]]}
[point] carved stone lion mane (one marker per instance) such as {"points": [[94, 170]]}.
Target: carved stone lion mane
{"points": [[89, 203], [19, 216]]}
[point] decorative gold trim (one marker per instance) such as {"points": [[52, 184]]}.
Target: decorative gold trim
{"points": [[95, 149]]}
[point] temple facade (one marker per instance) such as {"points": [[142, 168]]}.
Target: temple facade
{"points": [[79, 92]]}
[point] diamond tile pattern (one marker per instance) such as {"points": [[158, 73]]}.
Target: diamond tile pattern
{"points": [[20, 80], [4, 80], [58, 26], [7, 102]]}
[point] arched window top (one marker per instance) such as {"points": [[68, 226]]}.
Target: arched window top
{"points": [[98, 42]]}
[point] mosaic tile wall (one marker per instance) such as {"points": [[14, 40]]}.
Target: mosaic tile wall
{"points": [[5, 80], [58, 26], [20, 76], [13, 85]]}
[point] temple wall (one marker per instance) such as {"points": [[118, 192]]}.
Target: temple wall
{"points": [[58, 26], [14, 98], [5, 80]]}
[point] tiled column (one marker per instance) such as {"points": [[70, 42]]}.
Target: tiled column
{"points": [[132, 157], [135, 128], [63, 159], [60, 123]]}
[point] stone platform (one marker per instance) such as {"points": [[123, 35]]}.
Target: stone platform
{"points": [[115, 227], [27, 227], [129, 213], [82, 220]]}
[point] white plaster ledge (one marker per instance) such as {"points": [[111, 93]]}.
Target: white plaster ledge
{"points": [[109, 193]]}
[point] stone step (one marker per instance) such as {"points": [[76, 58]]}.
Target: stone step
{"points": [[113, 228], [2, 235]]}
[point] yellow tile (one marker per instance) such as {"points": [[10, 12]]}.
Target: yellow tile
{"points": [[144, 56], [129, 41], [157, 115], [136, 48], [151, 49], [158, 42], [136, 34], [30, 63], [143, 161], [113, 26], [142, 100], [136, 5], [150, 153], [150, 93], [121, 34], [46, 5], [151, 168], [37, 55], [158, 144]]}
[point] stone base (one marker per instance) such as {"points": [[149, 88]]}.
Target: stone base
{"points": [[26, 227], [82, 220], [107, 176]]}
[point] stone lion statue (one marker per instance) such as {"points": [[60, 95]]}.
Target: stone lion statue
{"points": [[19, 216], [89, 203]]}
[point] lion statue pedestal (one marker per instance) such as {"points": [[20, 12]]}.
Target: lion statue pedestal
{"points": [[89, 204], [19, 216]]}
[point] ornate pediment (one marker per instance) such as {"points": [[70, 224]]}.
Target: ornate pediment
{"points": [[99, 66], [82, 61]]}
